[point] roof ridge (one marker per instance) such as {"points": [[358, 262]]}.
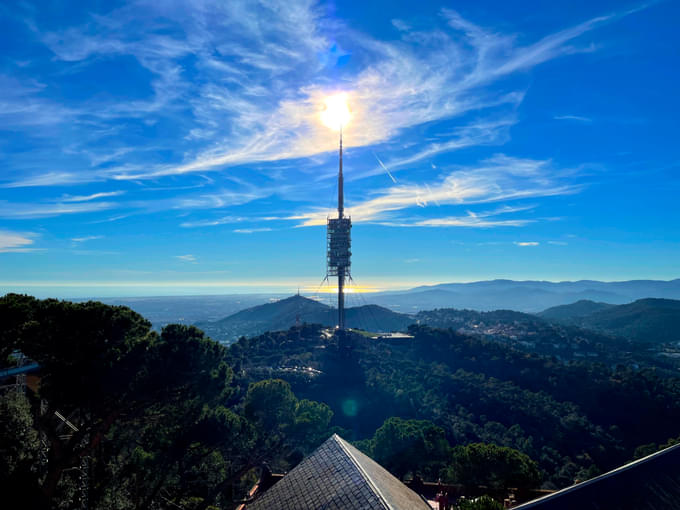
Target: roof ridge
{"points": [[363, 473]]}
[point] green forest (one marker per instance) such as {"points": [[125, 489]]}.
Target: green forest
{"points": [[128, 418]]}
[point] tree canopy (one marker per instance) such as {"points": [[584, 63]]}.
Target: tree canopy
{"points": [[142, 419], [492, 465], [410, 446]]}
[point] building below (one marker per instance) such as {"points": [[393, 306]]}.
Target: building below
{"points": [[650, 483], [337, 476]]}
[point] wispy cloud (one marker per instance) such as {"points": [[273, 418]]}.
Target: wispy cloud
{"points": [[85, 238], [498, 179], [478, 133], [471, 220], [251, 230], [39, 210], [263, 71], [16, 241], [212, 223], [94, 196], [499, 55], [576, 118], [186, 258], [214, 200], [49, 179], [111, 219], [526, 243]]}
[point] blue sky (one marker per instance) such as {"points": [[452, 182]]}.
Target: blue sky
{"points": [[175, 147]]}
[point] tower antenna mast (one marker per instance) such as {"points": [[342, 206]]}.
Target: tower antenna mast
{"points": [[341, 269]]}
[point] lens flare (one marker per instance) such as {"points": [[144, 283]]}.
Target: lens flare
{"points": [[350, 407], [337, 114]]}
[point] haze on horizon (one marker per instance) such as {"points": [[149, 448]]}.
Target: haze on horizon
{"points": [[157, 149]]}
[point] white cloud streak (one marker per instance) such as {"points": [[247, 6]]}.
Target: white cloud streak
{"points": [[576, 118], [85, 238], [251, 230], [212, 223], [94, 196], [497, 179], [49, 179], [16, 241], [28, 210]]}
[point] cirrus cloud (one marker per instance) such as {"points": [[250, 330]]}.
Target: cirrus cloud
{"points": [[16, 241]]}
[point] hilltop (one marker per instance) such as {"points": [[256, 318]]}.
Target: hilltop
{"points": [[282, 314], [577, 310]]}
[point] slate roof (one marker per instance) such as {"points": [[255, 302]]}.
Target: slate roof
{"points": [[337, 476], [650, 483]]}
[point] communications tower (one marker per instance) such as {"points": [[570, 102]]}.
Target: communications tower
{"points": [[338, 230]]}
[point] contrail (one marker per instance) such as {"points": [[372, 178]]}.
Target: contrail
{"points": [[385, 168]]}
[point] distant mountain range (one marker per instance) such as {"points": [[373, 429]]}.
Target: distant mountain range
{"points": [[645, 320], [282, 314], [523, 296]]}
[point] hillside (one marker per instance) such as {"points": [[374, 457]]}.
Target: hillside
{"points": [[646, 320], [273, 316], [563, 340], [574, 311], [282, 314], [567, 339], [572, 418]]}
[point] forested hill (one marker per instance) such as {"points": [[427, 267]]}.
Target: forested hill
{"points": [[574, 311], [574, 419], [561, 338], [284, 313], [645, 320]]}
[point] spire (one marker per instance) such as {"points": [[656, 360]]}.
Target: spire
{"points": [[341, 184], [341, 272]]}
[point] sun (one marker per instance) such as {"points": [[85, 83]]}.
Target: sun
{"points": [[337, 114]]}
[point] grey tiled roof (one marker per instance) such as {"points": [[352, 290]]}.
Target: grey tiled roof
{"points": [[337, 476], [651, 483]]}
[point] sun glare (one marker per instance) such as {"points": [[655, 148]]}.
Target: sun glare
{"points": [[337, 114], [350, 289]]}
